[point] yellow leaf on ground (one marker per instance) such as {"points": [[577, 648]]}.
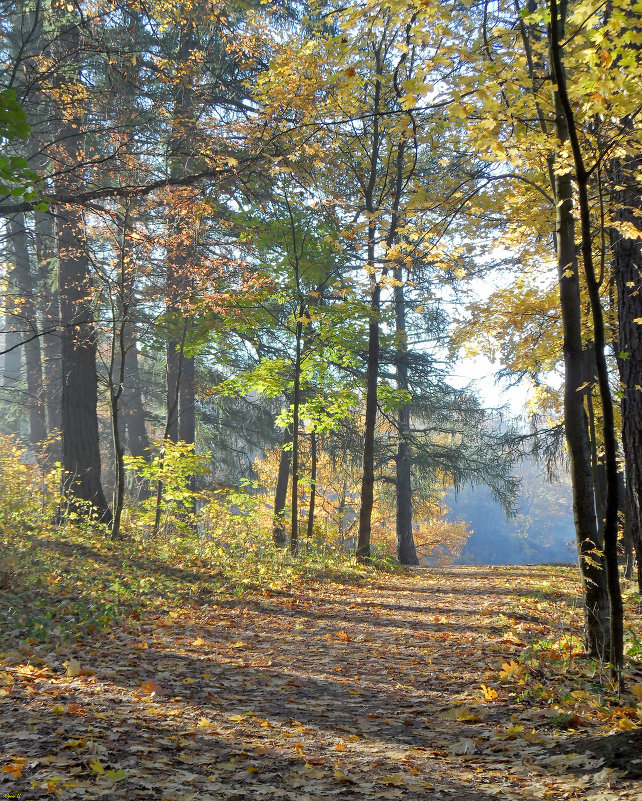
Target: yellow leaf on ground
{"points": [[73, 667], [15, 768], [488, 693], [511, 670]]}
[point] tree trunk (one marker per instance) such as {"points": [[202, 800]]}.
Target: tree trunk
{"points": [[133, 410], [30, 329], [599, 476], [591, 563], [81, 466], [313, 482], [12, 356], [186, 402], [627, 536], [50, 315], [372, 379], [627, 267], [296, 401], [564, 110], [596, 605], [281, 493], [182, 417], [406, 551]]}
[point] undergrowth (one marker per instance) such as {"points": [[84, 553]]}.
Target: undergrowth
{"points": [[61, 582]]}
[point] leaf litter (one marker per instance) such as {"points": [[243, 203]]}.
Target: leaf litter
{"points": [[462, 683]]}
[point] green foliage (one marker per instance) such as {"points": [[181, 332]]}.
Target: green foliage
{"points": [[16, 179], [171, 467]]}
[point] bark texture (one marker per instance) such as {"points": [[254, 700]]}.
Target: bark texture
{"points": [[79, 418], [591, 563], [627, 268]]}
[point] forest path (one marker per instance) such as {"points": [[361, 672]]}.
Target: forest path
{"points": [[340, 692]]}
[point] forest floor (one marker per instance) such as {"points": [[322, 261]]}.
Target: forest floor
{"points": [[448, 683]]}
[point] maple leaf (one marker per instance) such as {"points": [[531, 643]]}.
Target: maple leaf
{"points": [[511, 670], [488, 693]]}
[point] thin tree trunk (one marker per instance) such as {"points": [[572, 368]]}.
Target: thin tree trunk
{"points": [[296, 401], [171, 416], [372, 379], [50, 315], [341, 509], [281, 492], [120, 308], [186, 402], [12, 356], [116, 390], [313, 482], [627, 535], [598, 472], [406, 551]]}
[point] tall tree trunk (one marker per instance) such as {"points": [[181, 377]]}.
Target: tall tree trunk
{"points": [[563, 108], [591, 562], [596, 604], [121, 311], [30, 329], [182, 419], [406, 551], [116, 383], [296, 402], [50, 315], [627, 267], [81, 484], [372, 380]]}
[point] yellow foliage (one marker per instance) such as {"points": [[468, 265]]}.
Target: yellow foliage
{"points": [[28, 495]]}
